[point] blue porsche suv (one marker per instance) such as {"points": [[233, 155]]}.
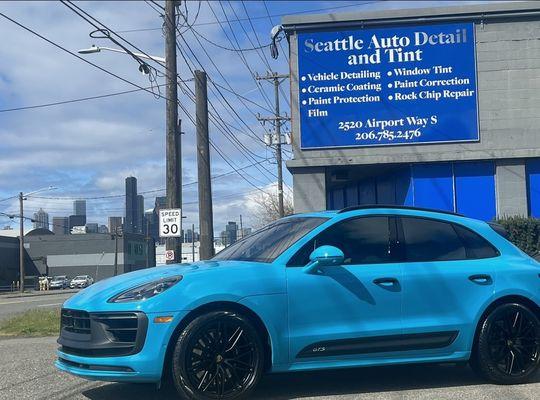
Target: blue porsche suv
{"points": [[363, 286]]}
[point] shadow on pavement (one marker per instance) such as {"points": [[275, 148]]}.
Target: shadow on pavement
{"points": [[320, 383]]}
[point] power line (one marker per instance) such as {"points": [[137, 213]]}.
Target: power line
{"points": [[100, 68], [76, 55], [70, 198], [213, 117], [228, 48], [239, 95], [312, 10], [272, 24], [57, 103], [239, 53], [261, 55]]}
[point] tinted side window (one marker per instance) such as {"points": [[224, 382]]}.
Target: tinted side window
{"points": [[475, 245], [364, 240], [430, 240]]}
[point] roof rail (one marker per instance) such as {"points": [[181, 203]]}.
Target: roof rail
{"points": [[397, 207]]}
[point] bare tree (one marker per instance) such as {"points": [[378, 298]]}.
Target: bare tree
{"points": [[267, 207]]}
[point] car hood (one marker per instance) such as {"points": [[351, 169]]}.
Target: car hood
{"points": [[100, 292]]}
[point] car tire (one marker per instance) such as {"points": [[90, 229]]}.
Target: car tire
{"points": [[507, 349], [219, 355]]}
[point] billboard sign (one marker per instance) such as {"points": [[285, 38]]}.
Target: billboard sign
{"points": [[388, 86]]}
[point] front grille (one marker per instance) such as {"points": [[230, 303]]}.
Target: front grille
{"points": [[75, 321], [102, 334]]}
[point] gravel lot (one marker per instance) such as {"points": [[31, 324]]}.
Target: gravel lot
{"points": [[27, 371]]}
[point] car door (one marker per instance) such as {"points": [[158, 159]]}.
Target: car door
{"points": [[349, 311], [447, 279]]}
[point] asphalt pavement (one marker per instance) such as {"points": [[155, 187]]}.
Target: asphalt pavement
{"points": [[27, 371], [10, 304]]}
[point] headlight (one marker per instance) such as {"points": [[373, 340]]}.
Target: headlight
{"points": [[146, 291]]}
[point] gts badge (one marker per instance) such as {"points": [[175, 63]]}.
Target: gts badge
{"points": [[318, 350]]}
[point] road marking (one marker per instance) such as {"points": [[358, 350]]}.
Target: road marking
{"points": [[49, 305]]}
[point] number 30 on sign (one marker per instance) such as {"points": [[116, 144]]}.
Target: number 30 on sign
{"points": [[169, 222]]}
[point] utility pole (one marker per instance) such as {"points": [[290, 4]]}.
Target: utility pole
{"points": [[173, 146], [21, 243], [206, 218], [277, 120]]}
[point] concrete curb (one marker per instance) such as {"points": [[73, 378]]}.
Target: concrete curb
{"points": [[37, 293]]}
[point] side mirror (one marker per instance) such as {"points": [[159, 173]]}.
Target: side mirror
{"points": [[324, 256]]}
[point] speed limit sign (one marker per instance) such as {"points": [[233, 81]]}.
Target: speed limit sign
{"points": [[169, 222]]}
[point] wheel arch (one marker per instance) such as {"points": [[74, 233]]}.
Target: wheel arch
{"points": [[506, 299], [220, 306]]}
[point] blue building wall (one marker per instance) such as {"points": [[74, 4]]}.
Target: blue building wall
{"points": [[464, 187], [532, 170]]}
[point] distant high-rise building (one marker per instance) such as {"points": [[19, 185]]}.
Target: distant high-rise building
{"points": [[231, 231], [41, 219], [246, 232], [76, 220], [60, 225], [189, 236], [79, 207], [114, 224], [148, 222], [103, 229], [92, 227], [140, 214], [130, 223]]}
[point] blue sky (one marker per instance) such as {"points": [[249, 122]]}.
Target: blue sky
{"points": [[86, 149]]}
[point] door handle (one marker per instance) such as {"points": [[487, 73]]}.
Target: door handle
{"points": [[481, 279], [385, 281]]}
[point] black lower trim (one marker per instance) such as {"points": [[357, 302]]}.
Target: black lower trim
{"points": [[91, 367], [379, 344], [102, 334]]}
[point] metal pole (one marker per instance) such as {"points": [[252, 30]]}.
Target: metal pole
{"points": [[206, 219], [116, 252], [278, 148], [173, 147], [192, 242], [21, 243], [147, 242], [241, 228]]}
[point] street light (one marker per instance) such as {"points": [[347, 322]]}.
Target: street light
{"points": [[22, 197], [97, 49]]}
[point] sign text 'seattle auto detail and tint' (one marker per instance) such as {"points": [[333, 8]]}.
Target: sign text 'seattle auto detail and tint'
{"points": [[388, 86]]}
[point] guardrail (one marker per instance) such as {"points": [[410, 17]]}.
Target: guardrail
{"points": [[8, 288]]}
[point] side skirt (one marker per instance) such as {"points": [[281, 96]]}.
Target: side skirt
{"points": [[379, 344]]}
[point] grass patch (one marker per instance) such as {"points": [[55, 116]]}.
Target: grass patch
{"points": [[32, 323]]}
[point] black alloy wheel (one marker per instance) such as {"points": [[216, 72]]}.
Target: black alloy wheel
{"points": [[508, 349], [218, 356]]}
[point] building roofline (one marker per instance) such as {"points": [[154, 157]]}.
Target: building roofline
{"points": [[486, 11]]}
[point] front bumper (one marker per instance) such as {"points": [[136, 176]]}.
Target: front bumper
{"points": [[143, 363]]}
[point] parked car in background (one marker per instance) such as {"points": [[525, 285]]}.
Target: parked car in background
{"points": [[363, 286], [81, 281], [59, 282]]}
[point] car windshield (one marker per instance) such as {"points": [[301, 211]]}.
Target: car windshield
{"points": [[80, 277], [58, 278], [268, 243]]}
